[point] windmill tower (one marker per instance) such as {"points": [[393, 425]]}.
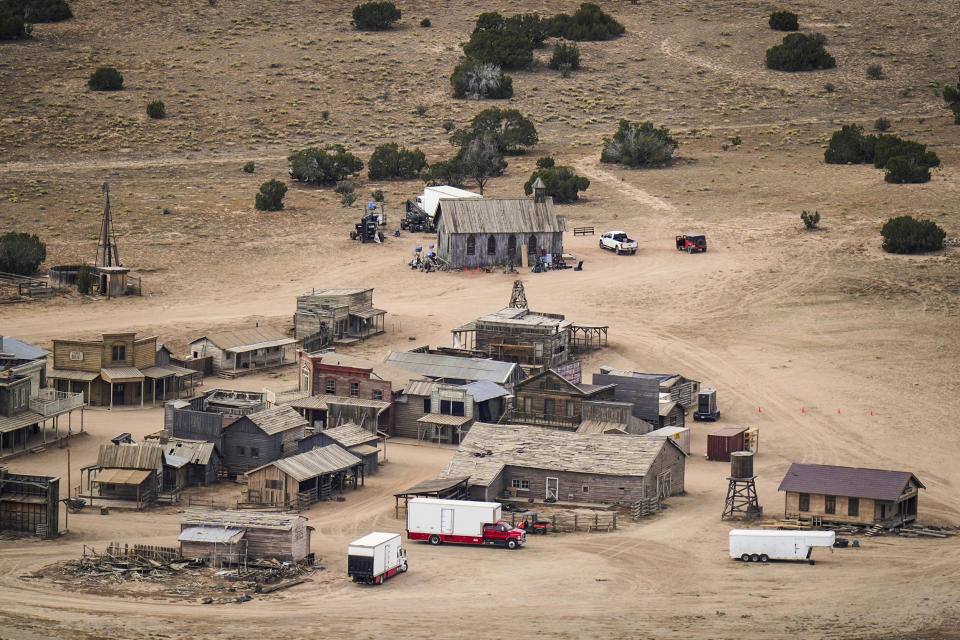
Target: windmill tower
{"points": [[107, 255], [518, 299]]}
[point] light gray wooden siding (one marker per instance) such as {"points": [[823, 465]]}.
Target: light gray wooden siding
{"points": [[407, 414], [644, 393], [453, 247]]}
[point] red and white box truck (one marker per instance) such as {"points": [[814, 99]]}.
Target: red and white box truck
{"points": [[460, 521]]}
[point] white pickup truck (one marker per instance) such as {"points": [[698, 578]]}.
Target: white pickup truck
{"points": [[618, 241]]}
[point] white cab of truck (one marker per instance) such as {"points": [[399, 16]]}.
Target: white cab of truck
{"points": [[618, 242]]}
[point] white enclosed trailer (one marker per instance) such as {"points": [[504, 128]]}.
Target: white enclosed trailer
{"points": [[429, 201], [460, 521], [376, 557], [759, 545]]}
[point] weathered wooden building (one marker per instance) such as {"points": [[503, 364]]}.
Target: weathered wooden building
{"points": [[29, 504], [611, 417], [660, 399], [245, 351], [323, 410], [189, 463], [24, 360], [125, 475], [299, 481], [281, 536], [524, 461], [338, 316], [851, 495], [549, 400], [26, 415], [434, 411], [356, 440], [117, 369], [258, 438], [486, 232], [455, 369], [204, 417]]}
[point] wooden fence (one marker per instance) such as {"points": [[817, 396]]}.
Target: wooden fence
{"points": [[644, 508], [572, 522], [143, 552], [583, 231]]}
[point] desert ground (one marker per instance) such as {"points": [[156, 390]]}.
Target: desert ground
{"points": [[838, 352]]}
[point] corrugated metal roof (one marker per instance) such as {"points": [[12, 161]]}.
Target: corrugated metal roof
{"points": [[318, 462], [121, 476], [367, 313], [247, 339], [396, 375], [276, 419], [201, 517], [726, 432], [144, 455], [489, 447], [853, 482], [189, 451], [19, 421], [120, 374], [599, 426], [433, 486], [157, 372], [349, 435], [665, 407], [483, 390], [525, 317], [364, 449], [436, 365], [379, 405], [219, 535], [439, 418], [22, 350], [499, 215], [79, 376], [424, 387]]}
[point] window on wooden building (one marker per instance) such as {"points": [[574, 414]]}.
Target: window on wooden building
{"points": [[331, 386], [254, 452], [829, 504], [471, 245], [354, 389], [241, 451], [377, 394], [451, 408], [119, 352], [571, 408], [853, 506], [426, 405], [491, 245], [522, 485], [512, 247], [586, 489], [273, 484], [548, 407], [804, 502]]}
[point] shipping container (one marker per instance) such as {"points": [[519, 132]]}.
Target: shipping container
{"points": [[722, 442], [376, 557], [680, 435], [758, 545]]}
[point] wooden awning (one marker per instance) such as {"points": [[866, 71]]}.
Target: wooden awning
{"points": [[121, 374], [122, 476]]}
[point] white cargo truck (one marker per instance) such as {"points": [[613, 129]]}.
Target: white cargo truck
{"points": [[759, 545], [376, 557], [460, 521]]}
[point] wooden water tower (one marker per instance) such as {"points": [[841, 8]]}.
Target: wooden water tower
{"points": [[742, 490]]}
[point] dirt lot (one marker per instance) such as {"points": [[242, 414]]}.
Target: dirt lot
{"points": [[841, 354]]}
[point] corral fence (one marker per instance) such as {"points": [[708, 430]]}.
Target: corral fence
{"points": [[139, 551], [583, 231], [570, 522], [644, 508]]}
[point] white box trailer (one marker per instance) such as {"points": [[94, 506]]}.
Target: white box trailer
{"points": [[680, 435], [376, 557], [429, 201], [460, 521], [759, 545]]}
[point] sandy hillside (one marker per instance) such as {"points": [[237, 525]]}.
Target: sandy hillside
{"points": [[778, 319]]}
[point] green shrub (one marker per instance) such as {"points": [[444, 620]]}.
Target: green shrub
{"points": [[156, 110], [906, 170], [800, 52], [510, 131], [639, 145], [390, 161], [565, 54], [12, 25], [375, 16], [810, 220], [478, 80], [906, 234], [881, 124], [546, 162], [425, 23], [248, 167], [347, 199], [105, 79], [784, 21], [952, 96], [875, 72], [829, 87], [890, 146], [46, 10], [849, 145], [84, 279], [21, 253], [451, 172], [562, 183], [343, 187], [448, 125], [482, 159], [324, 167], [495, 42], [271, 195], [377, 195], [535, 28], [589, 22]]}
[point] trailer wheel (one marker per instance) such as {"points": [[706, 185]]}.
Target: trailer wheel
{"points": [[434, 540], [764, 557], [754, 557], [402, 568], [511, 544], [745, 557]]}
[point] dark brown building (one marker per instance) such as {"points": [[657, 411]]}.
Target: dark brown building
{"points": [[547, 399]]}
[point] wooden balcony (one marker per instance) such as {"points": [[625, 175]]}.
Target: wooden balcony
{"points": [[50, 402]]}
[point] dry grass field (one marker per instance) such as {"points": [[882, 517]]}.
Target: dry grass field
{"points": [[775, 317]]}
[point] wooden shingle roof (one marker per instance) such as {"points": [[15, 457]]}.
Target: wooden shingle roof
{"points": [[276, 419], [145, 455], [500, 215]]}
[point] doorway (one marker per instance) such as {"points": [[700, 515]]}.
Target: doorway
{"points": [[119, 392], [553, 489], [446, 521]]}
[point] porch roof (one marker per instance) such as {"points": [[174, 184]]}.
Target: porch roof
{"points": [[78, 376], [121, 374]]}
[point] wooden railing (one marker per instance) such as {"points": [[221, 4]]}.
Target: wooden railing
{"points": [[583, 231], [50, 402], [542, 419]]}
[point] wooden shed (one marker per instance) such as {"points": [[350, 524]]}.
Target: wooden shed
{"points": [[189, 463], [244, 351], [724, 441], [29, 504], [283, 536], [262, 437], [356, 440], [125, 475], [300, 480]]}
